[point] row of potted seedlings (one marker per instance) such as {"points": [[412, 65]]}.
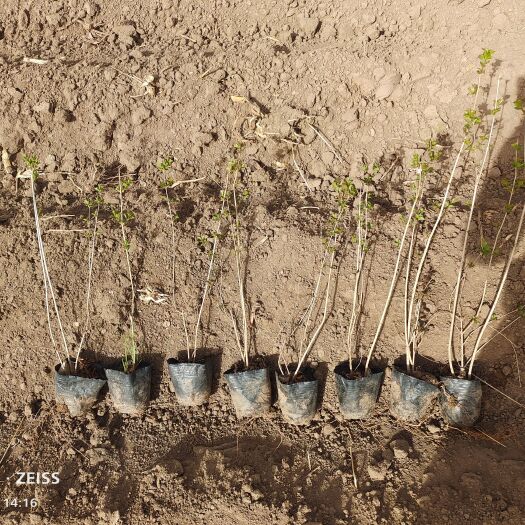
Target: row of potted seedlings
{"points": [[358, 388], [411, 399], [358, 385]]}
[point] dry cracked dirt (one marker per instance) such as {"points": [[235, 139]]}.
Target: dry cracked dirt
{"points": [[301, 94]]}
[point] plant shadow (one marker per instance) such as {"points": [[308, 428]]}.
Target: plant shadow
{"points": [[489, 458]]}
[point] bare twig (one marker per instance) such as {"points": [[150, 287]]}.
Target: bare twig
{"points": [[499, 391], [353, 467], [299, 169], [328, 143]]}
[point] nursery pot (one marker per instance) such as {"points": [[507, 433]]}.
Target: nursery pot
{"points": [[298, 400], [460, 401], [130, 392], [411, 398], [78, 393], [357, 396], [250, 391], [191, 381]]}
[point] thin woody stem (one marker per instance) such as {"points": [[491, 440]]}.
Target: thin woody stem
{"points": [[357, 298], [90, 279], [48, 286], [461, 269], [210, 267], [392, 286], [496, 239], [314, 337], [242, 299], [497, 296]]}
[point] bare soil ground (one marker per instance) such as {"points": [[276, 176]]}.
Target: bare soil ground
{"points": [[376, 79]]}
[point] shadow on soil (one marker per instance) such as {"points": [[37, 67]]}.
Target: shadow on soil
{"points": [[485, 465], [267, 465]]}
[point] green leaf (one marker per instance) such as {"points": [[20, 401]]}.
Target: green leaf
{"points": [[31, 161], [125, 184], [485, 248], [485, 57], [165, 164], [235, 165], [167, 183]]}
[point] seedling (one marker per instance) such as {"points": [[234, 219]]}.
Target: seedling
{"points": [[413, 300], [219, 219], [409, 220], [422, 166], [31, 172], [123, 217], [478, 324], [416, 215], [360, 241], [320, 300], [93, 204], [461, 270], [243, 336]]}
